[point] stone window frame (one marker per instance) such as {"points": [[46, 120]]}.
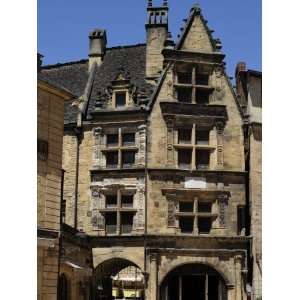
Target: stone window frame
{"points": [[215, 145], [219, 209], [194, 69], [100, 147], [118, 209], [193, 145]]}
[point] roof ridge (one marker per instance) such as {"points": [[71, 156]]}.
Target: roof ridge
{"points": [[81, 61], [57, 65]]}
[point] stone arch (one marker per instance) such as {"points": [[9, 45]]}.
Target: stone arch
{"points": [[218, 266], [136, 260]]}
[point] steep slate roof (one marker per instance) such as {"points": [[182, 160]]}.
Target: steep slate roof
{"points": [[74, 76]]}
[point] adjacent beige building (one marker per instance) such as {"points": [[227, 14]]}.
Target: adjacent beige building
{"points": [[50, 128], [156, 184]]}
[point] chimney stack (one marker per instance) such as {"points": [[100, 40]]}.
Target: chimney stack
{"points": [[157, 32], [97, 49], [240, 70]]}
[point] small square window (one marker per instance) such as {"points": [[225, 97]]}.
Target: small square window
{"points": [[184, 95], [112, 140], [202, 97], [184, 159], [204, 207], [186, 224], [111, 201], [204, 225], [126, 222], [111, 223], [186, 206], [184, 136], [112, 159], [127, 201], [202, 137], [202, 159], [184, 78], [120, 99], [128, 139], [128, 159], [202, 79]]}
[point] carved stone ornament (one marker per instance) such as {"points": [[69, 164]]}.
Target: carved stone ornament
{"points": [[223, 202]]}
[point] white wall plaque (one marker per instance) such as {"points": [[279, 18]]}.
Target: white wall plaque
{"points": [[195, 183]]}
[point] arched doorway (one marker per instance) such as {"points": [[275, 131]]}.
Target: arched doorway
{"points": [[193, 282], [118, 279]]}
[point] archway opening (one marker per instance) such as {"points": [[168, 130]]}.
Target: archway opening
{"points": [[118, 279], [193, 282], [63, 288]]}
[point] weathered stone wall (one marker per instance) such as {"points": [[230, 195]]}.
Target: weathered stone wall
{"points": [[49, 129], [50, 116], [47, 269], [156, 37], [256, 209], [197, 38]]}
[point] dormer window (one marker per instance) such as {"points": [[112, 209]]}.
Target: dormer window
{"points": [[120, 99]]}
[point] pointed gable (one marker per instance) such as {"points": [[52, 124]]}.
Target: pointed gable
{"points": [[196, 35]]}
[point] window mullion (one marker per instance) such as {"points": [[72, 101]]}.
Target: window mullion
{"points": [[193, 166], [193, 85]]}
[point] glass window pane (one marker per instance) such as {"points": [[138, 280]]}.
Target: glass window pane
{"points": [[186, 206], [202, 79], [202, 137], [112, 159], [184, 158], [184, 136], [112, 140], [202, 159], [186, 224], [120, 99], [111, 201], [184, 95], [127, 201], [128, 158], [202, 96], [184, 78], [128, 139], [204, 225], [204, 207]]}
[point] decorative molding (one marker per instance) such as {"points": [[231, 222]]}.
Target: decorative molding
{"points": [[223, 203]]}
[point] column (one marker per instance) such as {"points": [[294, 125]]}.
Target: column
{"points": [[194, 88], [196, 229], [118, 212], [153, 276], [238, 278], [193, 167], [220, 155], [119, 151], [170, 142]]}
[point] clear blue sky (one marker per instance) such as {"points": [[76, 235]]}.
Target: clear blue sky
{"points": [[63, 26]]}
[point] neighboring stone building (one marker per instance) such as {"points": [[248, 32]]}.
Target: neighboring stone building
{"points": [[249, 92], [50, 129], [154, 162]]}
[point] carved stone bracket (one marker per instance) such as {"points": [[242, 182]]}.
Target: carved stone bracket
{"points": [[223, 203], [170, 140], [220, 124], [219, 92]]}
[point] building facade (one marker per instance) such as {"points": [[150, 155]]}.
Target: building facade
{"points": [[155, 183], [50, 131]]}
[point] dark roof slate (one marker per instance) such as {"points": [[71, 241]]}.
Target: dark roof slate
{"points": [[132, 59], [74, 76]]}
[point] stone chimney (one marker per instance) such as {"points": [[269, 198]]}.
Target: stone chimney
{"points": [[157, 33], [97, 49], [239, 72]]}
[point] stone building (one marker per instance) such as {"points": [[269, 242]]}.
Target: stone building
{"points": [[155, 168], [249, 93], [50, 129]]}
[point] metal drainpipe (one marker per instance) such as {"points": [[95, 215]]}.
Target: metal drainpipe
{"points": [[60, 229], [78, 132]]}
